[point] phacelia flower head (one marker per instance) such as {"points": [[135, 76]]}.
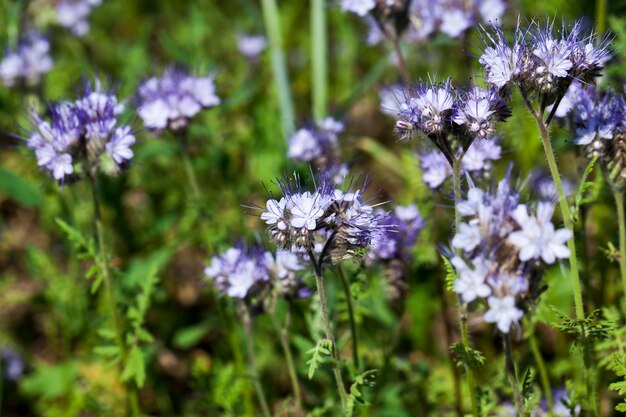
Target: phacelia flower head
{"points": [[319, 146], [28, 63], [302, 217], [504, 249], [173, 99], [82, 136], [73, 14], [478, 110], [427, 108], [542, 59], [243, 272]]}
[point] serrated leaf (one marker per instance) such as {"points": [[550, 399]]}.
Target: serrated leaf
{"points": [[322, 348], [135, 367], [466, 356], [450, 273], [584, 185], [107, 351]]}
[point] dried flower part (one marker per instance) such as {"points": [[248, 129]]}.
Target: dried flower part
{"points": [[243, 272], [28, 63], [395, 275], [82, 136], [343, 220], [173, 99], [504, 249], [543, 60]]}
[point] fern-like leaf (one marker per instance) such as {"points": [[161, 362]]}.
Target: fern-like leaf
{"points": [[322, 349]]}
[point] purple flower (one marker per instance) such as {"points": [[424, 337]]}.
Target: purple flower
{"points": [[73, 14], [251, 46], [479, 110], [12, 365], [85, 132], [302, 217], [358, 7], [435, 168], [503, 312], [428, 107], [400, 236], [471, 282], [29, 62], [173, 99]]}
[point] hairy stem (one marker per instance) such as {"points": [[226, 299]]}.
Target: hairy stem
{"points": [[133, 401], [319, 281], [283, 333], [543, 373], [271, 19], [462, 311], [353, 332], [621, 221], [510, 369], [319, 40], [244, 314], [567, 220]]}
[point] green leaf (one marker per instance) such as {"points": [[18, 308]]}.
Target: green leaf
{"points": [[466, 356], [584, 185], [19, 189], [107, 351], [450, 273], [322, 348], [190, 336], [135, 367]]}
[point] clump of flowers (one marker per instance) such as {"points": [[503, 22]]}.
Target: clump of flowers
{"points": [[251, 46], [544, 189], [73, 14], [505, 246], [394, 244], [319, 146], [342, 221], [28, 63], [478, 160], [542, 60], [450, 118], [243, 272], [419, 19], [171, 100], [82, 136]]}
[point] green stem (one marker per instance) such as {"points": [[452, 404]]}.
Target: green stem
{"points": [[272, 27], [319, 41], [2, 371], [567, 220], [462, 311], [247, 325], [601, 16], [319, 281], [110, 297], [353, 331], [283, 333], [510, 369], [543, 373], [621, 221]]}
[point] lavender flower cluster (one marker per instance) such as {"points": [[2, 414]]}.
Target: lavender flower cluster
{"points": [[425, 17], [28, 62], [438, 110], [504, 250], [319, 146], [173, 99], [243, 272], [542, 60], [82, 136], [73, 14], [300, 219]]}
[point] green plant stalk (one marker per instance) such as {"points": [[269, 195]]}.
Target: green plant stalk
{"points": [[283, 333], [543, 373], [567, 220], [510, 370], [601, 16], [469, 373], [353, 331], [110, 297], [271, 19], [1, 384], [247, 325], [319, 73], [319, 281], [621, 221]]}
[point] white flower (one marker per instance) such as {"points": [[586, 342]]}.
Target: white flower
{"points": [[358, 7], [407, 213], [305, 210], [538, 238], [503, 312], [303, 145], [241, 280], [119, 146], [275, 212], [455, 22], [467, 237], [251, 46], [471, 283]]}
